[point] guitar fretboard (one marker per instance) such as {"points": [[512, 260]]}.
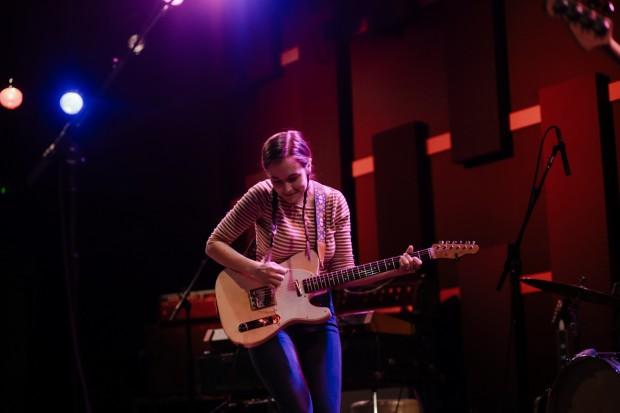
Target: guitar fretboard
{"points": [[341, 277]]}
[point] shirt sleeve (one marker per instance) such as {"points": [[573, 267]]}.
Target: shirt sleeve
{"points": [[343, 256], [243, 215]]}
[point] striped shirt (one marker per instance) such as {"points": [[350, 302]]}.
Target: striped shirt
{"points": [[255, 208]]}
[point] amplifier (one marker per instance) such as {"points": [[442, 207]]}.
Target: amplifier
{"points": [[394, 295], [376, 360], [377, 351], [224, 373]]}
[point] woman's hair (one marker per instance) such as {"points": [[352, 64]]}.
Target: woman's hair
{"points": [[285, 144], [275, 149]]}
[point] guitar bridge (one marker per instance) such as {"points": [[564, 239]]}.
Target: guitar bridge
{"points": [[262, 297]]}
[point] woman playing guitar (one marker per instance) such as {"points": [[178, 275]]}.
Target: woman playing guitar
{"points": [[292, 214]]}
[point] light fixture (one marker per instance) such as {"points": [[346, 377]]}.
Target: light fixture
{"points": [[136, 44], [11, 97], [71, 103], [173, 2]]}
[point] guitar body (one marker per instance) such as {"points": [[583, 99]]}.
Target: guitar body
{"points": [[252, 313]]}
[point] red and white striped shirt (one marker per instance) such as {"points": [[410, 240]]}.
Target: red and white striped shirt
{"points": [[255, 208]]}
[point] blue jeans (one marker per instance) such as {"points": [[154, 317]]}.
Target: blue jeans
{"points": [[301, 367]]}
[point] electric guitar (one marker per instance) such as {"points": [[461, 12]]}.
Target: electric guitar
{"points": [[589, 21], [251, 312]]}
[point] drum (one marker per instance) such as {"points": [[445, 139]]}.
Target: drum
{"points": [[589, 383]]}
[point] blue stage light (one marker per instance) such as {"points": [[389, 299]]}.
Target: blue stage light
{"points": [[71, 103]]}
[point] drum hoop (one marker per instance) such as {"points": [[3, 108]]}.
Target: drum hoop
{"points": [[610, 358]]}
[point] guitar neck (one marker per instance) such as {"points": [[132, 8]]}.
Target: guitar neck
{"points": [[341, 277]]}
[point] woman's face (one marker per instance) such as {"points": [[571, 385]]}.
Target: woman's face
{"points": [[289, 179]]}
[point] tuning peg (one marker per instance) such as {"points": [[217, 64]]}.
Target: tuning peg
{"points": [[560, 7], [587, 19], [601, 26], [574, 11], [608, 8]]}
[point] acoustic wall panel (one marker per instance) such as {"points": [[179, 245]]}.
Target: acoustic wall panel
{"points": [[403, 189], [478, 88]]}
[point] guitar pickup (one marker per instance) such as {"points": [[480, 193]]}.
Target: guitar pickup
{"points": [[261, 298], [258, 323]]}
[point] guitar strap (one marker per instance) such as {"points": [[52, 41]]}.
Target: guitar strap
{"points": [[319, 209]]}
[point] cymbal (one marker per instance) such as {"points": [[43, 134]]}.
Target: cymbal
{"points": [[572, 291]]}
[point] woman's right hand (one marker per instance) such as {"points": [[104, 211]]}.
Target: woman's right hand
{"points": [[269, 272]]}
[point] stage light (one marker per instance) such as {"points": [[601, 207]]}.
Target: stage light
{"points": [[136, 44], [71, 103], [11, 97], [173, 2]]}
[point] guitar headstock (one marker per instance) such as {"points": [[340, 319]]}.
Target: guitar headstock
{"points": [[454, 249], [589, 20]]}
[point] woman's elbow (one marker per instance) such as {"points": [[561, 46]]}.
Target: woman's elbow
{"points": [[209, 247]]}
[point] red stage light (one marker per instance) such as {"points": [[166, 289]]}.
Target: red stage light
{"points": [[11, 97]]}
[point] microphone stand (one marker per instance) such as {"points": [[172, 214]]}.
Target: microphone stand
{"points": [[71, 256], [513, 270], [184, 302]]}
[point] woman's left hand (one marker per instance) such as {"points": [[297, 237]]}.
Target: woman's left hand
{"points": [[408, 262]]}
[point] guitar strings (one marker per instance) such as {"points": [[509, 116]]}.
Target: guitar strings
{"points": [[324, 281]]}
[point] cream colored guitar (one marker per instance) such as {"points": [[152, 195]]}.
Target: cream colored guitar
{"points": [[251, 312]]}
